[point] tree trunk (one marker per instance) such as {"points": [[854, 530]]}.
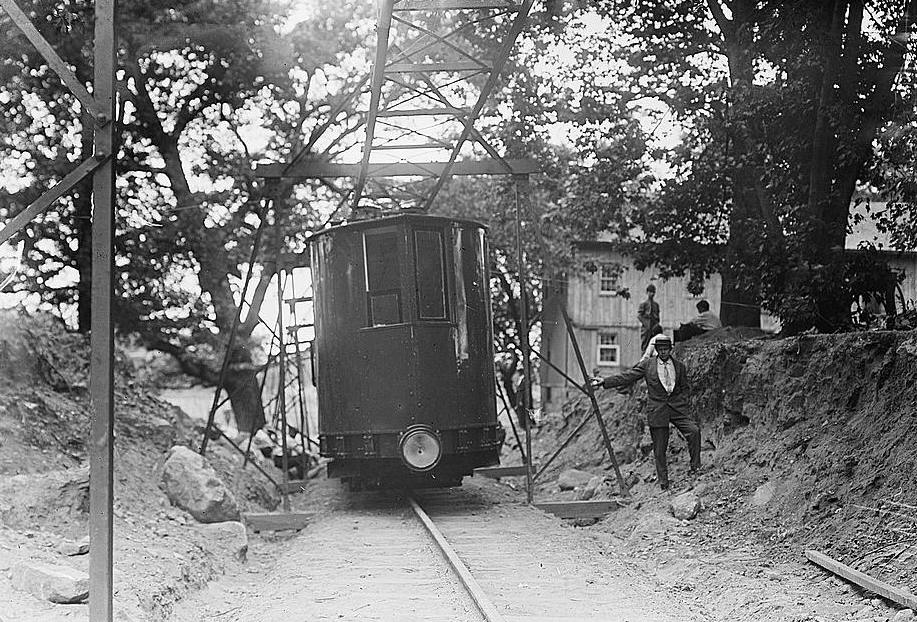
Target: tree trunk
{"points": [[739, 296], [245, 394]]}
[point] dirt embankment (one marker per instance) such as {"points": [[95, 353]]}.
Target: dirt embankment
{"points": [[811, 442], [160, 551]]}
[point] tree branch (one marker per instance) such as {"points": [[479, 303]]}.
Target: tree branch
{"points": [[726, 26]]}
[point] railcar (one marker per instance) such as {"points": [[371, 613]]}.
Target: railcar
{"points": [[403, 351]]}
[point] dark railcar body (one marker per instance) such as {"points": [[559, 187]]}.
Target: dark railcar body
{"points": [[404, 343]]}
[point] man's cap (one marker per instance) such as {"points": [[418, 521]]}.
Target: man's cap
{"points": [[663, 341], [650, 288]]}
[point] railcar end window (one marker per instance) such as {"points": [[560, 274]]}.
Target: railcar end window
{"points": [[429, 270], [383, 283]]}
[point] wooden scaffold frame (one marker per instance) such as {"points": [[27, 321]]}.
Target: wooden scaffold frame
{"points": [[101, 166]]}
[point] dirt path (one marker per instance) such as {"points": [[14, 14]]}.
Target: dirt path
{"points": [[536, 568], [370, 561], [366, 557]]}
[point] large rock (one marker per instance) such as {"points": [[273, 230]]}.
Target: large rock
{"points": [[685, 506], [193, 485], [72, 547], [588, 491], [230, 536], [57, 498], [904, 614], [58, 584], [763, 494], [571, 478]]}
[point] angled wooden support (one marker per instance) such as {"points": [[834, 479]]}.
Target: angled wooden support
{"points": [[897, 595], [45, 201], [562, 446], [595, 404], [55, 62]]}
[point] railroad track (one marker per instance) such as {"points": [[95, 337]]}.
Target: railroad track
{"points": [[520, 565], [459, 555]]}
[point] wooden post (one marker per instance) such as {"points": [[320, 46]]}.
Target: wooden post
{"points": [[101, 428], [282, 382], [522, 188]]}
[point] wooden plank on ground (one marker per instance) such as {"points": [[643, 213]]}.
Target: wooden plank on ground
{"points": [[579, 509], [886, 590], [276, 521], [292, 487], [502, 471]]}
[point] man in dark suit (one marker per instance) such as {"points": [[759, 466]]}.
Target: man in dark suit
{"points": [[667, 390]]}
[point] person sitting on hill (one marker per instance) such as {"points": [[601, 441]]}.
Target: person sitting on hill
{"points": [[705, 320]]}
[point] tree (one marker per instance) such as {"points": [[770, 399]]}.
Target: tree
{"points": [[196, 78], [782, 103]]}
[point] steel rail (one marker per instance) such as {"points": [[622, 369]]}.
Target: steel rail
{"points": [[481, 600]]}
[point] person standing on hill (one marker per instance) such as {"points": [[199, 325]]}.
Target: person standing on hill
{"points": [[667, 393], [648, 314]]}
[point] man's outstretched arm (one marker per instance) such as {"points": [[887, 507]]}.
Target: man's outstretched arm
{"points": [[623, 379]]}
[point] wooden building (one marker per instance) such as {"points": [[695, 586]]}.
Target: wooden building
{"points": [[606, 323]]}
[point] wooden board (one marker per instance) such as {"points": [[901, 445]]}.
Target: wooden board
{"points": [[276, 521], [892, 593], [292, 487], [578, 509], [503, 471]]}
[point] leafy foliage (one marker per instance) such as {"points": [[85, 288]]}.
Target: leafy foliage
{"points": [[782, 103]]}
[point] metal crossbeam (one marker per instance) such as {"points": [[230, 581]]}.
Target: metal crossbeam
{"points": [[55, 62], [459, 65], [385, 24], [420, 112], [45, 201], [311, 170], [515, 30], [454, 5], [422, 61]]}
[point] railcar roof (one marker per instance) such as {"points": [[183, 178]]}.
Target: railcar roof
{"points": [[372, 223]]}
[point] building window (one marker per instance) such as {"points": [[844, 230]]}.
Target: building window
{"points": [[383, 281], [430, 273], [609, 352], [608, 280]]}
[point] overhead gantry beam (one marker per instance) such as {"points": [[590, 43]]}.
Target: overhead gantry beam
{"points": [[420, 68], [312, 170]]}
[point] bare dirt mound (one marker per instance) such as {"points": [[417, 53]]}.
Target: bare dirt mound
{"points": [[810, 442], [160, 551]]}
